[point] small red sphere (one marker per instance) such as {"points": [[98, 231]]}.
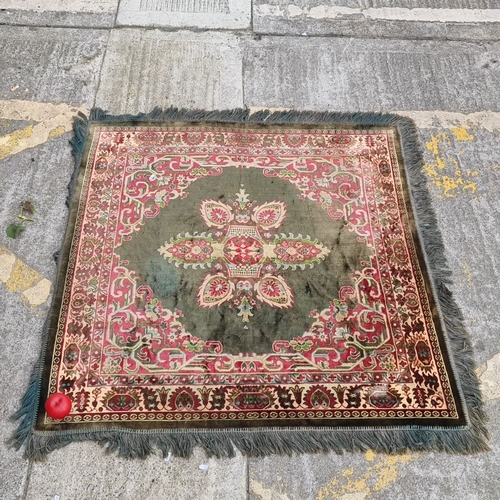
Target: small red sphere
{"points": [[58, 405]]}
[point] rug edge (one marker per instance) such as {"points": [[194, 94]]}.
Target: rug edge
{"points": [[470, 439]]}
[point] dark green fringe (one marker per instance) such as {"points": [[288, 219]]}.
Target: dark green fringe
{"points": [[260, 442]]}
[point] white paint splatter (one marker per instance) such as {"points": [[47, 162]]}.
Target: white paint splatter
{"points": [[354, 496], [490, 379], [489, 120], [7, 261], [264, 493], [38, 294]]}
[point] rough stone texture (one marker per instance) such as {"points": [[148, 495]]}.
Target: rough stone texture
{"points": [[445, 19], [94, 476], [378, 477], [35, 175], [464, 178], [355, 75], [96, 14], [204, 14], [53, 64], [20, 331], [144, 69], [15, 17]]}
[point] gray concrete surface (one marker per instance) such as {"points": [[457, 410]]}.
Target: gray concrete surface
{"points": [[371, 75], [61, 56]]}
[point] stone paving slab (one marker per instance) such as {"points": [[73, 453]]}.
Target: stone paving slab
{"points": [[40, 175], [20, 331], [145, 69], [82, 13], [200, 14], [89, 475], [462, 165], [444, 19], [52, 65], [43, 181], [337, 74]]}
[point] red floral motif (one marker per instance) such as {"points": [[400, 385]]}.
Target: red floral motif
{"points": [[218, 287]]}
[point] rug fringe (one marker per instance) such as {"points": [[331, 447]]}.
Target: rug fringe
{"points": [[260, 442], [263, 442]]}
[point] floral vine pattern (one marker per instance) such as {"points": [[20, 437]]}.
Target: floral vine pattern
{"points": [[371, 353]]}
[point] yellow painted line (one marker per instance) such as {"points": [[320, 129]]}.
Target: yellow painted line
{"points": [[351, 485], [53, 121], [17, 277]]}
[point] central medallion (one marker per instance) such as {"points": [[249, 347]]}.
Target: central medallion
{"points": [[243, 251], [244, 254]]}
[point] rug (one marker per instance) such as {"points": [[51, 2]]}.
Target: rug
{"points": [[272, 282]]}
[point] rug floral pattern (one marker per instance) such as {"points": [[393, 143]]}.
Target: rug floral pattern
{"points": [[347, 322]]}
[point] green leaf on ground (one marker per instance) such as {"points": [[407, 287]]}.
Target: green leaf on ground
{"points": [[14, 229]]}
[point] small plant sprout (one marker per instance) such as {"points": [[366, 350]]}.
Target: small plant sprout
{"points": [[27, 208]]}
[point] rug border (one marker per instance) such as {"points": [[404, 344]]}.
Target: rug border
{"points": [[260, 442]]}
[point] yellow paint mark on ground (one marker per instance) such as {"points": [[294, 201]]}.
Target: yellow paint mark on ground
{"points": [[53, 121], [17, 277], [10, 142], [468, 274], [57, 132], [379, 476], [22, 277], [449, 184], [461, 134]]}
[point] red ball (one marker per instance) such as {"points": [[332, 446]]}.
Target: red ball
{"points": [[58, 405]]}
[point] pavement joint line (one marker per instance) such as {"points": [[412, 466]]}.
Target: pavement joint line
{"points": [[18, 277], [99, 73], [251, 32]]}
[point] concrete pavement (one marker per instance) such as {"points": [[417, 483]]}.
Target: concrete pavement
{"points": [[436, 61]]}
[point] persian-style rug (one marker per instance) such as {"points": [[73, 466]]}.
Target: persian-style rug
{"points": [[270, 282]]}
